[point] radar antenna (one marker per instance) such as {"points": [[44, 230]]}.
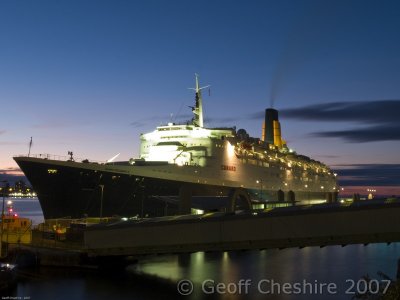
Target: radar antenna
{"points": [[71, 156], [198, 109]]}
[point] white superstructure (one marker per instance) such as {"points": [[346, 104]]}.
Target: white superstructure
{"points": [[229, 158]]}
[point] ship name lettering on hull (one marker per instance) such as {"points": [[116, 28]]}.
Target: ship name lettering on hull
{"points": [[228, 168]]}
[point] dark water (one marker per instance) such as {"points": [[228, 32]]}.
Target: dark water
{"points": [[230, 275]]}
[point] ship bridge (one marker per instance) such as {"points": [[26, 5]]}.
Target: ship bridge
{"points": [[183, 144]]}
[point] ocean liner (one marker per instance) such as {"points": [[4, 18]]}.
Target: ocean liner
{"points": [[182, 167]]}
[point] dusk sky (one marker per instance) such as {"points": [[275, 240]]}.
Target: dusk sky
{"points": [[90, 76]]}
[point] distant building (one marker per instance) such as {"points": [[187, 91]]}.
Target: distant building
{"points": [[20, 189]]}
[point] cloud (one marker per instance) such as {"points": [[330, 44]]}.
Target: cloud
{"points": [[10, 169], [11, 172], [378, 111], [380, 119], [11, 179], [368, 174], [381, 116], [364, 135], [12, 175], [2, 131]]}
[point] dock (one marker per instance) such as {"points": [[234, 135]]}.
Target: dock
{"points": [[320, 225]]}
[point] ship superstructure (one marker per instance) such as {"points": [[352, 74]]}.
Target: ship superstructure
{"points": [[182, 166]]}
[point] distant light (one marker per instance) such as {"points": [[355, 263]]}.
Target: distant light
{"points": [[335, 174], [9, 202], [257, 181], [322, 187], [197, 211], [306, 186], [124, 219]]}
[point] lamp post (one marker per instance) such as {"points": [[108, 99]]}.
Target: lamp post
{"points": [[9, 207], [101, 201], [261, 188], [2, 218], [9, 210]]}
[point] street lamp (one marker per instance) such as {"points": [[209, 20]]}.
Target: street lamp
{"points": [[261, 187], [2, 218], [9, 207], [101, 201]]}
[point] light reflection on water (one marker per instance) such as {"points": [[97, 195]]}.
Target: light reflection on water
{"points": [[334, 264], [156, 277]]}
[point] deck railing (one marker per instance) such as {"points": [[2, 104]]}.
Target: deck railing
{"points": [[61, 157]]}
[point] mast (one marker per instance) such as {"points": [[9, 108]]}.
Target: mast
{"points": [[198, 108]]}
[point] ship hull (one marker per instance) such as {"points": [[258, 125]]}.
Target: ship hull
{"points": [[76, 190], [88, 190]]}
